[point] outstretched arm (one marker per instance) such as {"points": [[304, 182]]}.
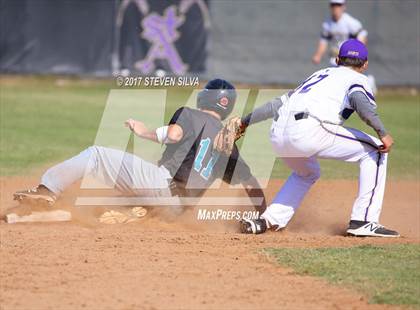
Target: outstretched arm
{"points": [[235, 126], [264, 112], [322, 47], [320, 51]]}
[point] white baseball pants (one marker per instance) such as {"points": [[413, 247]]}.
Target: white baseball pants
{"points": [[301, 142], [130, 174]]}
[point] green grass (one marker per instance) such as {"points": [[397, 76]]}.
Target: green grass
{"points": [[46, 119], [386, 274], [42, 122]]}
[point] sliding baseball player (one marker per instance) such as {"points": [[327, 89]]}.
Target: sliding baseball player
{"points": [[188, 165]]}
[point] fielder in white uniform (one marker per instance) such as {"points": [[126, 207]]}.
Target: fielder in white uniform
{"points": [[308, 125], [340, 27]]}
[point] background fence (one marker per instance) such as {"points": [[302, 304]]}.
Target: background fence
{"points": [[245, 41]]}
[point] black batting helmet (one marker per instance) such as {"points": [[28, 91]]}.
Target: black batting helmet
{"points": [[219, 96]]}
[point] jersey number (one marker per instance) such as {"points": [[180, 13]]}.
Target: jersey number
{"points": [[306, 87], [198, 162]]}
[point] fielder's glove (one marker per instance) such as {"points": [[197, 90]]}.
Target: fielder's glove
{"points": [[227, 136]]}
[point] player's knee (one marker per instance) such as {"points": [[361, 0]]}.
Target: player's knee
{"points": [[312, 176], [383, 158], [94, 150], [315, 175], [376, 140], [377, 157]]}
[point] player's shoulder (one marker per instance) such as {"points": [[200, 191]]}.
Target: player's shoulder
{"points": [[356, 81], [182, 115], [199, 115], [356, 76], [350, 77], [359, 79], [323, 71], [185, 109], [350, 72], [349, 19], [337, 72], [192, 113], [196, 112], [182, 111], [327, 23]]}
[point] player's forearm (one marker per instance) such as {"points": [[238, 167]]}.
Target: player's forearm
{"points": [[148, 135], [320, 51], [367, 112], [140, 130], [322, 48], [264, 112]]}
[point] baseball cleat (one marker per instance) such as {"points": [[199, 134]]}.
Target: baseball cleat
{"points": [[370, 229], [39, 195], [248, 226]]}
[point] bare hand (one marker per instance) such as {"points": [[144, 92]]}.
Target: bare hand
{"points": [[387, 143], [136, 126]]}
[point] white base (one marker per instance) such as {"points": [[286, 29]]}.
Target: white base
{"points": [[46, 216]]}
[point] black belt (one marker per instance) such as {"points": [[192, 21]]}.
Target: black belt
{"points": [[301, 115]]}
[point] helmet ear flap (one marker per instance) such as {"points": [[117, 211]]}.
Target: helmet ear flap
{"points": [[225, 101], [202, 98]]}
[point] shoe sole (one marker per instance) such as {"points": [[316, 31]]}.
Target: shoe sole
{"points": [[243, 228], [39, 200], [354, 234]]}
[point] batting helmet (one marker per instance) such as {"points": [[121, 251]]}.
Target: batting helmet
{"points": [[219, 96]]}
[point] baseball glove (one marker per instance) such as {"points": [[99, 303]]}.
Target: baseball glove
{"points": [[227, 136], [123, 216]]}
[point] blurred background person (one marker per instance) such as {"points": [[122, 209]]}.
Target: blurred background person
{"points": [[339, 27]]}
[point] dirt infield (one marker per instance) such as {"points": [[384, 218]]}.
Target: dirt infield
{"points": [[156, 264]]}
